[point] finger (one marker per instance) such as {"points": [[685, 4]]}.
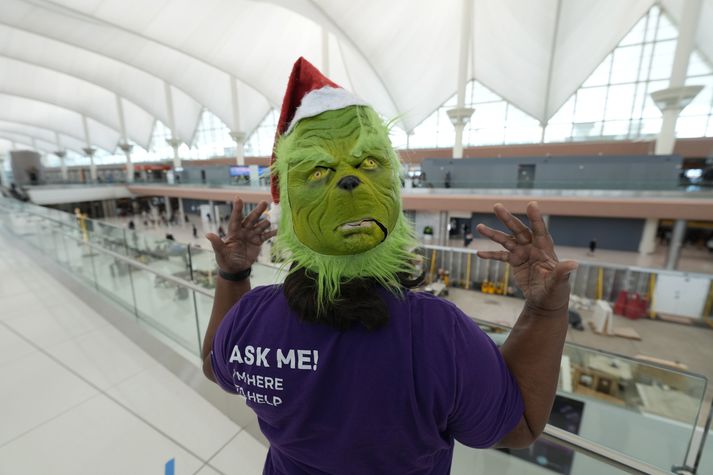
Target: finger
{"points": [[236, 217], [564, 269], [215, 241], [503, 256], [539, 228], [255, 214], [500, 237], [520, 231], [269, 234], [262, 226]]}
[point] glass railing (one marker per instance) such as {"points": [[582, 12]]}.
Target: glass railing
{"points": [[618, 285], [613, 414]]}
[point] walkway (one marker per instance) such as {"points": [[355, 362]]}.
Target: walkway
{"points": [[78, 397]]}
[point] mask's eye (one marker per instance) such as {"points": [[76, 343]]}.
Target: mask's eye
{"points": [[369, 164], [318, 174]]}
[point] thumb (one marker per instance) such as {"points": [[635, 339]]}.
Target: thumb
{"points": [[563, 269], [215, 241]]}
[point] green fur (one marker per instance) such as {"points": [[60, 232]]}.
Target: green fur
{"points": [[334, 137]]}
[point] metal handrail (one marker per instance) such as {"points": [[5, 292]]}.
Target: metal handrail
{"points": [[600, 452]]}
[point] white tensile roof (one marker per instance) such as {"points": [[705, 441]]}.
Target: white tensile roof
{"points": [[61, 59]]}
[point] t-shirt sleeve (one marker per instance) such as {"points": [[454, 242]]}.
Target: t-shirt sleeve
{"points": [[487, 404], [223, 342]]}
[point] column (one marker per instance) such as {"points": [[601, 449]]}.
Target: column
{"points": [[237, 135], [174, 141], [461, 115], [239, 138], [181, 212], [647, 245], [211, 207], [124, 144], [676, 97], [89, 151], [674, 248], [62, 154], [167, 205]]}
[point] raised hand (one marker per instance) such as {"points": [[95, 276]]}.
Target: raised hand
{"points": [[241, 246], [542, 277]]}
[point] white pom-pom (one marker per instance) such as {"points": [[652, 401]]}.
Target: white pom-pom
{"points": [[274, 215]]}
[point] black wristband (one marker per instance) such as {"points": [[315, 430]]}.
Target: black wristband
{"points": [[235, 276]]}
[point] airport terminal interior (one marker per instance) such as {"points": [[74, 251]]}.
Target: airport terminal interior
{"points": [[128, 128]]}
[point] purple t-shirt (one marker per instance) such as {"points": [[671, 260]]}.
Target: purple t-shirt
{"points": [[355, 402]]}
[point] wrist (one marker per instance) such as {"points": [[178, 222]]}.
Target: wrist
{"points": [[546, 311], [235, 276]]}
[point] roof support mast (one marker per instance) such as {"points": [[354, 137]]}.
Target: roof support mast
{"points": [[174, 141], [672, 101], [461, 114], [89, 151], [124, 144], [238, 135]]}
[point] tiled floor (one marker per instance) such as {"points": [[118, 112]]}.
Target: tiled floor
{"points": [[78, 397]]}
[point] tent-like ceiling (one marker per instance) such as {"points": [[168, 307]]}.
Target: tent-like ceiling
{"points": [[46, 135], [401, 55]]}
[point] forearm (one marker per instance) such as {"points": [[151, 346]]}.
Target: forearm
{"points": [[227, 293], [533, 353]]}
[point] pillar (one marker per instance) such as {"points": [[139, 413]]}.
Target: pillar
{"points": [[647, 245], [461, 115], [124, 144], [239, 138], [676, 97], [167, 205], [89, 151], [211, 207], [174, 141], [254, 175], [126, 148], [237, 135], [181, 212], [674, 248], [62, 154]]}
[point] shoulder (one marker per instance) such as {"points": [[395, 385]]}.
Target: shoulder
{"points": [[428, 305]]}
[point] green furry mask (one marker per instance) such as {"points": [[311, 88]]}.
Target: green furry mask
{"points": [[341, 214]]}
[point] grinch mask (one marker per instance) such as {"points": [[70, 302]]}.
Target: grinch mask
{"points": [[341, 207]]}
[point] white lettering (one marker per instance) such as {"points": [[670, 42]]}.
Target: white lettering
{"points": [[262, 357], [235, 355], [249, 354], [304, 359], [286, 360]]}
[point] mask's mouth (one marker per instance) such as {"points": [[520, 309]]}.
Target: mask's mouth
{"points": [[363, 224]]}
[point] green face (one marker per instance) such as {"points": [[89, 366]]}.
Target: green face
{"points": [[342, 183]]}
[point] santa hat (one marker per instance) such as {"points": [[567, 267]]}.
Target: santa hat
{"points": [[309, 93]]}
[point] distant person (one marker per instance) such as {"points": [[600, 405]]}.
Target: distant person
{"points": [[221, 232], [207, 215], [195, 231], [185, 218], [467, 236], [132, 226], [448, 180], [170, 237], [592, 246]]}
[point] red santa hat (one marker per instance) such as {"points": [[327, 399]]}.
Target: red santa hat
{"points": [[309, 93]]}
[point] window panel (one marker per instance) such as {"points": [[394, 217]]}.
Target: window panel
{"points": [[600, 76], [590, 104], [662, 59], [625, 66], [619, 102], [691, 126]]}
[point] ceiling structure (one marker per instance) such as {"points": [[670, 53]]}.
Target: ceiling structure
{"points": [[64, 59]]}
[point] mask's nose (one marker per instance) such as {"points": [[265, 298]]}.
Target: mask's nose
{"points": [[348, 183]]}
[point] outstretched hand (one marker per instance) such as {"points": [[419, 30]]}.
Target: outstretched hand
{"points": [[542, 277], [241, 246]]}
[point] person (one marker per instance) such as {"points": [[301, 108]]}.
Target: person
{"points": [[592, 246], [132, 226], [347, 370], [207, 215], [221, 232], [467, 235], [169, 237], [195, 231]]}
